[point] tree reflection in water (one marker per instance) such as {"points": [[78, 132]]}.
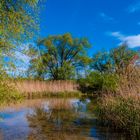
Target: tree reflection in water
{"points": [[61, 120]]}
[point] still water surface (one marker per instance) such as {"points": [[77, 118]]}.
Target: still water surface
{"points": [[54, 119]]}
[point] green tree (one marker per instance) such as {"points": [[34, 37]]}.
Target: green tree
{"points": [[59, 56], [17, 19], [117, 60], [102, 62], [122, 57], [18, 22], [97, 82]]}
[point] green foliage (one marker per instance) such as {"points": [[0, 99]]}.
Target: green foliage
{"points": [[122, 57], [65, 72], [17, 18], [102, 62], [59, 56], [107, 67], [122, 112], [99, 82], [117, 60], [18, 22], [8, 93]]}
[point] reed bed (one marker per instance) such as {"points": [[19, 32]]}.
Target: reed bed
{"points": [[122, 112], [122, 109], [130, 81], [36, 87]]}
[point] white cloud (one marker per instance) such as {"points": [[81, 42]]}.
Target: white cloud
{"points": [[132, 41], [134, 7], [106, 17], [117, 34], [22, 57]]}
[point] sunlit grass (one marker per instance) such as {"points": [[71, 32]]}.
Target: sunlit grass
{"points": [[122, 109], [33, 88]]}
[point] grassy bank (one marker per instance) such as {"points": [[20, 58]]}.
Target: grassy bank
{"points": [[122, 112], [121, 108], [13, 91], [66, 94]]}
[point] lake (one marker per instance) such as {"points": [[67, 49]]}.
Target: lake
{"points": [[54, 119]]}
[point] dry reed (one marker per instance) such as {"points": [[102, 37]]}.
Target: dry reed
{"points": [[130, 81], [29, 87], [123, 109]]}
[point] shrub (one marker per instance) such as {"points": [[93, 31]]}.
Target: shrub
{"points": [[99, 82], [8, 93]]}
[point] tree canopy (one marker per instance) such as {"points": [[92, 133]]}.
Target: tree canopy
{"points": [[117, 60], [59, 56], [18, 22], [17, 19]]}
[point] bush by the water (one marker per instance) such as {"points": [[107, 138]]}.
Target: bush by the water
{"points": [[8, 93], [99, 82]]}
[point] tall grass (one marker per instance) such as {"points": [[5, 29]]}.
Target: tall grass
{"points": [[36, 87], [122, 112], [130, 81], [122, 109], [12, 91]]}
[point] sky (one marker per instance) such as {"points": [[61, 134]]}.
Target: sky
{"points": [[106, 23]]}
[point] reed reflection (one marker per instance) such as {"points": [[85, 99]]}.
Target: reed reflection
{"points": [[60, 119]]}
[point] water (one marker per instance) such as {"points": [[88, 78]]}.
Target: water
{"points": [[54, 119]]}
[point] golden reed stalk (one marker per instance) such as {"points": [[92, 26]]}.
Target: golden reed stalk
{"points": [[36, 86]]}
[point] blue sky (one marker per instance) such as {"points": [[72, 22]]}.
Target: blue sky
{"points": [[106, 23]]}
